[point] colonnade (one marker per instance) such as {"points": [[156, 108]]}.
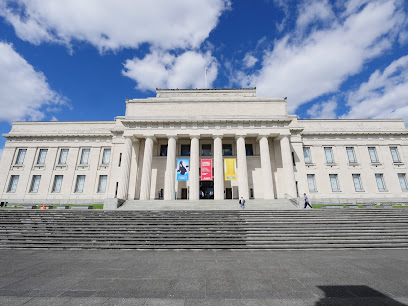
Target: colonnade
{"points": [[194, 181]]}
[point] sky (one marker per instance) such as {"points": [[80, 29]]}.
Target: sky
{"points": [[80, 60]]}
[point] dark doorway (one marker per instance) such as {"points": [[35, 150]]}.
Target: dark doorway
{"points": [[207, 190], [228, 193], [184, 193]]}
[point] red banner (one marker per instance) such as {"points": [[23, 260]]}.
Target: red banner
{"points": [[206, 170]]}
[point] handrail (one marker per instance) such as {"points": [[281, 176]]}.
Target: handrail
{"points": [[294, 201]]}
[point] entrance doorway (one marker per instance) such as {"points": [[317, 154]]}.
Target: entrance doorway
{"points": [[228, 193], [184, 193], [207, 190]]}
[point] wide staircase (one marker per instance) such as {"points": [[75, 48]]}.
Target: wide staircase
{"points": [[225, 230]]}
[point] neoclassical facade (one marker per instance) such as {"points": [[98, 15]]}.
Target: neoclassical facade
{"points": [[251, 146]]}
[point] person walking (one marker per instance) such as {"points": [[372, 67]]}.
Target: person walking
{"points": [[307, 201]]}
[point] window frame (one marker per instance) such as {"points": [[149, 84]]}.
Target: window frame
{"points": [[313, 178], [99, 183], [76, 190], [398, 161], [329, 149], [183, 148], [203, 150], [53, 189], [404, 179], [34, 183], [381, 175], [374, 150], [64, 163], [40, 162], [20, 151], [307, 148], [359, 181], [353, 153], [224, 149], [103, 161], [82, 156], [337, 182], [11, 183]]}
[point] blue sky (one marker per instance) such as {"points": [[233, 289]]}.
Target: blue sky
{"points": [[79, 60]]}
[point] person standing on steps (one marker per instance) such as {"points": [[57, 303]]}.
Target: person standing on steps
{"points": [[242, 202], [307, 201]]}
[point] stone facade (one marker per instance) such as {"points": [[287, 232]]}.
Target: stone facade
{"points": [[134, 157]]}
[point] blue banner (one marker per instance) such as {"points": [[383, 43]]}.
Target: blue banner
{"points": [[183, 168]]}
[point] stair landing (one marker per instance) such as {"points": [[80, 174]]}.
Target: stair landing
{"points": [[279, 204]]}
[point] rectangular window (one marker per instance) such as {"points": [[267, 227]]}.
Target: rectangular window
{"points": [[20, 156], [403, 181], [351, 155], [373, 154], [357, 182], [13, 183], [311, 182], [106, 156], [120, 159], [79, 186], [206, 150], [41, 156], [395, 155], [56, 187], [102, 183], [249, 149], [334, 182], [328, 151], [379, 177], [63, 157], [307, 155], [163, 150], [35, 183], [185, 150], [227, 149], [85, 156]]}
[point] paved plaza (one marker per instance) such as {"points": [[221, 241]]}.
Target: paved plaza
{"points": [[344, 277]]}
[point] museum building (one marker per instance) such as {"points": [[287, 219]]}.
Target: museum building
{"points": [[191, 144]]}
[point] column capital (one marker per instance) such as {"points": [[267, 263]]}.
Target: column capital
{"points": [[284, 135], [133, 138], [149, 137], [195, 136], [260, 136], [172, 136], [218, 136], [240, 136]]}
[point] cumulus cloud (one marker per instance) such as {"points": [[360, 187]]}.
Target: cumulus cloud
{"points": [[250, 60], [23, 91], [318, 62], [384, 95], [109, 25], [161, 69], [324, 110]]}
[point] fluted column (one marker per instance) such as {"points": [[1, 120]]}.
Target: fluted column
{"points": [[242, 168], [170, 175], [288, 166], [194, 166], [147, 169], [266, 167], [125, 168], [218, 169]]}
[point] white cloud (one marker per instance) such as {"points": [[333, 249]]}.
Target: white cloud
{"points": [[324, 110], [318, 63], [384, 95], [23, 91], [110, 25], [161, 69], [314, 11], [250, 60]]}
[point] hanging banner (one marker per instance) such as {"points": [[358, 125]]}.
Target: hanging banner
{"points": [[183, 166], [229, 169], [206, 170]]}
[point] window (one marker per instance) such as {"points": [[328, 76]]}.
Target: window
{"points": [[334, 182], [395, 155], [373, 154], [85, 156], [120, 160], [79, 186], [351, 155], [63, 157], [379, 177], [102, 183], [311, 182], [41, 156], [206, 150], [227, 149], [106, 156], [293, 159], [20, 156], [56, 187], [249, 149], [328, 151], [13, 183], [307, 155], [357, 182], [35, 183], [163, 150], [403, 181], [185, 150]]}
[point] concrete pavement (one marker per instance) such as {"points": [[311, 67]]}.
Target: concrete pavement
{"points": [[42, 277]]}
